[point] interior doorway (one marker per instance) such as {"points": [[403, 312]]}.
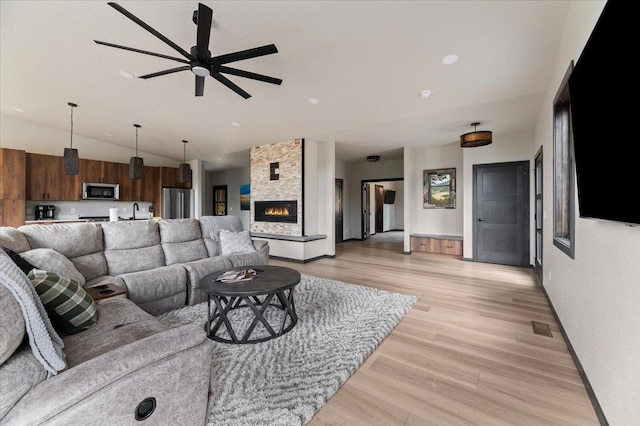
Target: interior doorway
{"points": [[537, 263], [339, 211], [382, 208]]}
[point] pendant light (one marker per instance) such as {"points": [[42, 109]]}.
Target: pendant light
{"points": [[184, 171], [136, 164], [476, 138], [70, 159]]}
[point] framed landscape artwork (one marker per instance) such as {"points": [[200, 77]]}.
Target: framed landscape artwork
{"points": [[439, 189], [245, 197]]}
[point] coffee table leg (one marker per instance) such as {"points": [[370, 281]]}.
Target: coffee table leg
{"points": [[223, 317], [259, 316]]}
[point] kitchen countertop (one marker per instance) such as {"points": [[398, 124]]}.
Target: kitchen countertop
{"points": [[49, 221]]}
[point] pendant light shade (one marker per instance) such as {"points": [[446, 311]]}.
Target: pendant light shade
{"points": [[136, 164], [71, 160], [476, 138], [184, 171]]}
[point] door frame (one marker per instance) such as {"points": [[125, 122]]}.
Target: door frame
{"points": [[538, 216], [362, 207], [339, 231], [378, 201], [526, 209]]}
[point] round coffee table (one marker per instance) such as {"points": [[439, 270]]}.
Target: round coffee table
{"points": [[272, 287]]}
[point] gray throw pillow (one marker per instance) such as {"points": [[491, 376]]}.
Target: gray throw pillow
{"points": [[235, 242], [51, 260]]}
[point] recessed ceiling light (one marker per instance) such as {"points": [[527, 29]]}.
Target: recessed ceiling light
{"points": [[125, 74], [425, 94], [17, 109], [314, 101], [450, 59], [235, 124]]}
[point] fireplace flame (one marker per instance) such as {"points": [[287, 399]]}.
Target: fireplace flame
{"points": [[276, 211]]}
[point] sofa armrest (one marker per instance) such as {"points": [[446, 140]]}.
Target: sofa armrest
{"points": [[262, 247], [172, 366]]}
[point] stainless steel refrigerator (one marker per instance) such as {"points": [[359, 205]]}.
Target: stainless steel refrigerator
{"points": [[176, 203]]}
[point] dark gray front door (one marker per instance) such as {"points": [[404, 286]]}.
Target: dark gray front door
{"points": [[501, 213]]}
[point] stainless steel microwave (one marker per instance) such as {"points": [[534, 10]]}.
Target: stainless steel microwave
{"points": [[100, 191]]}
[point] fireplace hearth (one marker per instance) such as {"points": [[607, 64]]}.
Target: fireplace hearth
{"points": [[276, 211]]}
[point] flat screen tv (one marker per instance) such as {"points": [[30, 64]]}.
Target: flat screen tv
{"points": [[603, 91], [389, 196]]}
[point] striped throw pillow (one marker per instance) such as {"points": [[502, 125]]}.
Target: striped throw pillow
{"points": [[70, 308]]}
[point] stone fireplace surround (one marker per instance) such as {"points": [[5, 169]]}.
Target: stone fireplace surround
{"points": [[286, 239]]}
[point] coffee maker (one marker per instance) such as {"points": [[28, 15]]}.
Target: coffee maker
{"points": [[45, 211]]}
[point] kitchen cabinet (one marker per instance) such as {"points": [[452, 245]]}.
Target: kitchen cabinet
{"points": [[441, 244], [12, 187], [45, 177], [170, 178]]}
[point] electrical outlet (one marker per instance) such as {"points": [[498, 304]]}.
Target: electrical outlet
{"points": [[28, 211], [143, 210], [73, 210], [124, 210], [549, 275]]}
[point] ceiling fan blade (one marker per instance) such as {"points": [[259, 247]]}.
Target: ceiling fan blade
{"points": [[131, 49], [230, 84], [165, 72], [204, 29], [199, 86], [248, 74], [138, 21], [245, 54]]}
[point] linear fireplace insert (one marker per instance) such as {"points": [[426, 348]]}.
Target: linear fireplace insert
{"points": [[276, 211]]}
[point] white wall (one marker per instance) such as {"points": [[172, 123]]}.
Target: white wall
{"points": [[326, 195], [596, 295], [505, 148], [311, 193], [434, 221], [233, 178]]}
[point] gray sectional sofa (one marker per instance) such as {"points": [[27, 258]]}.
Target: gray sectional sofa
{"points": [[128, 355]]}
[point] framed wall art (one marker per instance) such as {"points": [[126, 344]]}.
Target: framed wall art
{"points": [[439, 189]]}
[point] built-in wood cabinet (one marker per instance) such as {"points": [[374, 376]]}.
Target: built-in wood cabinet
{"points": [[441, 244], [12, 187], [170, 178], [45, 177]]}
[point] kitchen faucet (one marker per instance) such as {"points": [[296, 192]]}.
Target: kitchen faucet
{"points": [[135, 207]]}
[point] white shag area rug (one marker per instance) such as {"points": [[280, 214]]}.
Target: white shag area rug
{"points": [[286, 380]]}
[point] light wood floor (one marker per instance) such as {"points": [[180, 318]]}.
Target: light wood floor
{"points": [[464, 354]]}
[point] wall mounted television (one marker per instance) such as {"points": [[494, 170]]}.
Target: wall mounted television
{"points": [[389, 196], [603, 89]]}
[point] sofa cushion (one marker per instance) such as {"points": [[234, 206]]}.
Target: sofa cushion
{"points": [[70, 308], [235, 242], [247, 259], [20, 261], [13, 239], [91, 265], [211, 226], [51, 260], [70, 239], [148, 286], [120, 323], [132, 246], [199, 269], [21, 373], [182, 240], [11, 324]]}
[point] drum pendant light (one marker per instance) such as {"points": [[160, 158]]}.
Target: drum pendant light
{"points": [[476, 138], [70, 159], [184, 171], [136, 164]]}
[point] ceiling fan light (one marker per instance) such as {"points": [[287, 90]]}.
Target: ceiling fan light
{"points": [[200, 71], [373, 158], [476, 138]]}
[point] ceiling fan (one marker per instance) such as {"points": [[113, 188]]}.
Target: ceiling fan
{"points": [[199, 60]]}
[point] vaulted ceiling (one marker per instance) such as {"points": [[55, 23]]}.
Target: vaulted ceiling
{"points": [[366, 62]]}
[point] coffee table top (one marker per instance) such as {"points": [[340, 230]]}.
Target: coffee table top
{"points": [[269, 279]]}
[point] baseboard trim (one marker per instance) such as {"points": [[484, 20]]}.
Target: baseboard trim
{"points": [[288, 259], [585, 380]]}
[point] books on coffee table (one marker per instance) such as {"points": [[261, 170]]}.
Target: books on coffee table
{"points": [[237, 276]]}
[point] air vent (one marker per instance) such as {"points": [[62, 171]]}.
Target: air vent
{"points": [[541, 328]]}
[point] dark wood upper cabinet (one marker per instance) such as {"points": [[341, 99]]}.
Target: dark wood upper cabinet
{"points": [[12, 187], [45, 177]]}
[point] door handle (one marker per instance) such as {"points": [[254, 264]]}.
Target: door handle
{"points": [[481, 219]]}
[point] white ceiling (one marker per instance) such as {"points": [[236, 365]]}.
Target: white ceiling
{"points": [[366, 61]]}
